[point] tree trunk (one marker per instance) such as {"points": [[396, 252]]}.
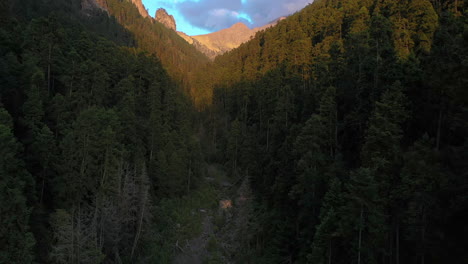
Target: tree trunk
{"points": [[390, 242], [336, 131], [106, 162], [268, 135], [152, 146], [101, 234], [188, 178], [423, 236], [83, 160], [137, 236], [398, 242], [72, 77], [439, 127], [360, 234], [48, 69], [43, 187], [72, 253], [235, 158], [78, 235], [376, 76], [95, 221]]}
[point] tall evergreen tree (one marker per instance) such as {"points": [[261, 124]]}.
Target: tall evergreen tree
{"points": [[15, 235]]}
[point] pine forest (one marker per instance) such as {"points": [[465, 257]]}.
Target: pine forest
{"points": [[337, 136]]}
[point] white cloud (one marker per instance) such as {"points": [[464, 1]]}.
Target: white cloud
{"points": [[213, 15]]}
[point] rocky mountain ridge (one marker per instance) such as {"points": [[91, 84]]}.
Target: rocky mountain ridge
{"points": [[164, 18], [215, 43], [222, 41], [141, 8], [211, 45]]}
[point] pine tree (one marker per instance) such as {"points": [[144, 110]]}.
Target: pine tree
{"points": [[382, 144], [422, 179], [328, 229], [311, 163], [382, 153], [91, 153], [366, 217], [15, 237], [328, 112], [424, 22], [62, 227], [234, 144]]}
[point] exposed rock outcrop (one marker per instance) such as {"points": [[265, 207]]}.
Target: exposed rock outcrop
{"points": [[164, 18], [187, 38], [91, 5], [141, 8], [204, 49]]}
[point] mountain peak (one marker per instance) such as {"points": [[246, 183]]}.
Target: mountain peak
{"points": [[219, 42], [239, 25], [164, 18], [141, 8]]}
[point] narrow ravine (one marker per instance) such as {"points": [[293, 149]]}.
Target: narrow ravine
{"points": [[195, 250], [221, 227]]}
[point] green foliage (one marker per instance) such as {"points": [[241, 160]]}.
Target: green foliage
{"points": [[62, 224], [178, 220], [384, 132], [15, 234], [332, 103], [348, 118], [175, 53], [92, 117]]}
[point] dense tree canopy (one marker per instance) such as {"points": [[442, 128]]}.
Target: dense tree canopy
{"points": [[343, 131], [358, 111], [93, 133]]}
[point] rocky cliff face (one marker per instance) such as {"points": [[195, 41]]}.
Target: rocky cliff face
{"points": [[164, 18], [90, 5], [187, 38], [141, 8]]}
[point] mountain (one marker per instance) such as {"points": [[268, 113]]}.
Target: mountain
{"points": [[164, 18], [141, 8], [337, 136], [226, 39], [220, 42], [216, 43], [178, 57]]}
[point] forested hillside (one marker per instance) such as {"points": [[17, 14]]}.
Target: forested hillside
{"points": [[179, 57], [337, 136], [350, 120], [93, 135]]}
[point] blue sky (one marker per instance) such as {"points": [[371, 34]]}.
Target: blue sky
{"points": [[196, 17]]}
